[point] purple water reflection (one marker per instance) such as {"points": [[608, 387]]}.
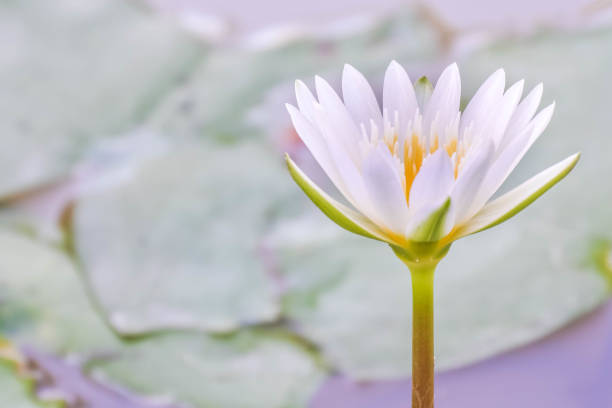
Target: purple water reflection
{"points": [[569, 369]]}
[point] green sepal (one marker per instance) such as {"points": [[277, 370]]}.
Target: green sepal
{"points": [[337, 212], [421, 255], [432, 229], [513, 202]]}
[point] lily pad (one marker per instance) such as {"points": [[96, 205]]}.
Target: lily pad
{"points": [[494, 292], [178, 246], [15, 393], [248, 370], [73, 72], [498, 289], [43, 303], [225, 96]]}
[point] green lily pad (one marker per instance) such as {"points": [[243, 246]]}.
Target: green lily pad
{"points": [[76, 71], [494, 292], [43, 301], [179, 245], [44, 305], [225, 97], [498, 289], [243, 371], [15, 393]]}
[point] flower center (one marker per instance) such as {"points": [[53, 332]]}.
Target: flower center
{"points": [[415, 151], [410, 152]]}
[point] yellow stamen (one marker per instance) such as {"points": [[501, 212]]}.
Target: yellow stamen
{"points": [[413, 158], [414, 153], [392, 144], [434, 145], [451, 148]]}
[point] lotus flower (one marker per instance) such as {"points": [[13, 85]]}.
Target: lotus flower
{"points": [[420, 170], [420, 174]]}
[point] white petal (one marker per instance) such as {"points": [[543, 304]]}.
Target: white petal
{"points": [[523, 114], [305, 100], [493, 123], [433, 182], [359, 98], [352, 186], [339, 118], [510, 158], [431, 186], [444, 102], [399, 96], [506, 108], [385, 188], [485, 99], [506, 206], [342, 215], [541, 121], [314, 141], [500, 170], [470, 177]]}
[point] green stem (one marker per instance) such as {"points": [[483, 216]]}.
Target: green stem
{"points": [[422, 336]]}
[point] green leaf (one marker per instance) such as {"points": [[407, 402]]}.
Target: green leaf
{"points": [[15, 393], [76, 72], [179, 245], [44, 305], [246, 370], [353, 297], [225, 102]]}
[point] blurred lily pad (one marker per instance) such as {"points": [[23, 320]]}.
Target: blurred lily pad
{"points": [[493, 292], [178, 246], [73, 71], [15, 393], [224, 98], [581, 119], [43, 302], [44, 305], [243, 371], [496, 290]]}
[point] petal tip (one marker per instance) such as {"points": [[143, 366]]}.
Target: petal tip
{"points": [[348, 67], [291, 109], [350, 71], [453, 69], [394, 65], [299, 84], [575, 157]]}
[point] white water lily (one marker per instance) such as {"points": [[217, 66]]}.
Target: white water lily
{"points": [[420, 170], [420, 173]]}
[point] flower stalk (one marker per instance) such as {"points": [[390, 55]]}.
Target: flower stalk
{"points": [[422, 336], [422, 261]]}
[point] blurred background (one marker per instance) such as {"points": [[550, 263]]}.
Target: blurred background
{"points": [[154, 251]]}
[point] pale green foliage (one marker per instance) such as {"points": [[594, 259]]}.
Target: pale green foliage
{"points": [[74, 72]]}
